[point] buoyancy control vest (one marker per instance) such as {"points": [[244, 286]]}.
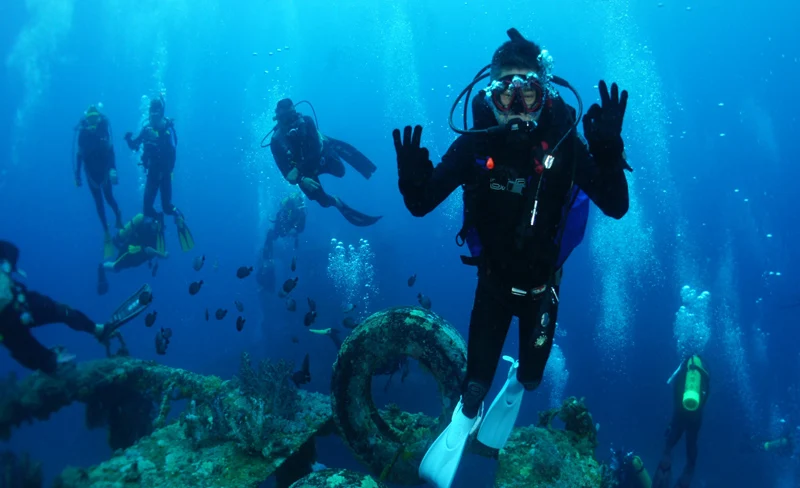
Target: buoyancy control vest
{"points": [[499, 203]]}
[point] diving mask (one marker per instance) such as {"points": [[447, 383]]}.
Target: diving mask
{"points": [[518, 95], [92, 120]]}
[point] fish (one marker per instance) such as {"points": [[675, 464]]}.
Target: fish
{"points": [[198, 262], [206, 315], [349, 308], [295, 340], [312, 305], [294, 264], [349, 323], [412, 280], [216, 265], [289, 285], [238, 306], [150, 319], [310, 317], [291, 305], [162, 340], [220, 314], [155, 270], [424, 301], [194, 288], [145, 298], [303, 376], [244, 272], [240, 323]]}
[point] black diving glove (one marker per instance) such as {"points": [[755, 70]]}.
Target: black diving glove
{"points": [[129, 141], [414, 167], [602, 125]]}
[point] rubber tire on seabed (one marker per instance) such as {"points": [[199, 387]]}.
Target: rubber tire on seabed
{"points": [[412, 331]]}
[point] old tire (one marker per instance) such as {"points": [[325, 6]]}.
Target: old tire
{"points": [[412, 331]]}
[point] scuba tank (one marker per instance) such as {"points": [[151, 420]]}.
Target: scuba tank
{"points": [[693, 386], [641, 478], [776, 445]]}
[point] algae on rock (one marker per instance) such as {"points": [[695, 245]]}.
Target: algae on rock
{"points": [[337, 478], [169, 459]]}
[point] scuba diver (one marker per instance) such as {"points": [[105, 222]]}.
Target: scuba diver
{"points": [[160, 141], [289, 221], [690, 391], [303, 154], [397, 364], [96, 155], [626, 470], [140, 241], [527, 177], [785, 445], [21, 310]]}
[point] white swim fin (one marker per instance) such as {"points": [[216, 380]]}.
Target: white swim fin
{"points": [[440, 464], [502, 414]]}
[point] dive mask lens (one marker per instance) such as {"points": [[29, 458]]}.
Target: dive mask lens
{"points": [[92, 120], [516, 94]]}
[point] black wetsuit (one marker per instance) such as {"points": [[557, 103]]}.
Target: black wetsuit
{"points": [[290, 217], [17, 337], [300, 145], [96, 156], [158, 158], [683, 422], [498, 204]]}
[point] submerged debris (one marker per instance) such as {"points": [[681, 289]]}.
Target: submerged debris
{"points": [[19, 472], [337, 477]]}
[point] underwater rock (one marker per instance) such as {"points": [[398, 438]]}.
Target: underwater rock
{"points": [[536, 456], [578, 423], [39, 395], [339, 478], [545, 456], [168, 458], [393, 452]]}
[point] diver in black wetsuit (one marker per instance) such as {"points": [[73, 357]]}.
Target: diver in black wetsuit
{"points": [[160, 141], [527, 177], [96, 156], [691, 385], [303, 154], [21, 310], [289, 221]]}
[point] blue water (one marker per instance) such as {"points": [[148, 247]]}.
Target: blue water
{"points": [[709, 131]]}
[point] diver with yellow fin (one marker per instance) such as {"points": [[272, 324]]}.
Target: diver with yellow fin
{"points": [[303, 153], [140, 241], [691, 386], [95, 155], [159, 142]]}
